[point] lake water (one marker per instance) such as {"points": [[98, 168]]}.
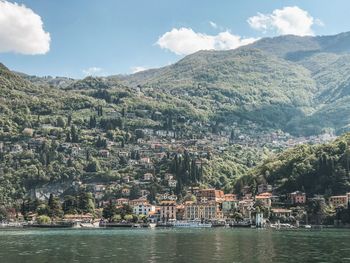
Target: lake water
{"points": [[173, 245]]}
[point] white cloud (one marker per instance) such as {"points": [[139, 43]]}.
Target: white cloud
{"points": [[288, 20], [213, 24], [21, 30], [138, 69], [93, 71], [184, 41]]}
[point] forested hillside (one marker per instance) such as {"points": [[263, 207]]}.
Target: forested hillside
{"points": [[315, 169], [208, 120]]}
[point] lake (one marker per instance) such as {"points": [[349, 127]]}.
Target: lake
{"points": [[173, 245]]}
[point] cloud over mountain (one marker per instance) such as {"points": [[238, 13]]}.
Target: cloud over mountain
{"points": [[288, 20], [184, 41], [21, 30]]}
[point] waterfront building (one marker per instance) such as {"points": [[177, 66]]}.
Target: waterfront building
{"points": [[167, 211], [245, 207], [144, 209], [229, 204], [203, 211], [280, 212], [264, 199]]}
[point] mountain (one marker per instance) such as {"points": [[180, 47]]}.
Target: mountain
{"points": [[298, 84]]}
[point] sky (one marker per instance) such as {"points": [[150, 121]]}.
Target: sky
{"points": [[77, 38]]}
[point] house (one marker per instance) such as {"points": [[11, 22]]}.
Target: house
{"points": [[99, 191], [147, 177], [166, 197], [245, 207], [207, 195], [126, 192], [126, 179], [203, 211], [104, 153], [144, 192], [137, 202], [264, 199], [143, 209], [229, 204], [297, 197], [172, 183], [168, 176], [167, 211], [339, 200], [122, 201], [280, 212]]}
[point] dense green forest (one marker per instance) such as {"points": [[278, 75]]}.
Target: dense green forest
{"points": [[315, 169]]}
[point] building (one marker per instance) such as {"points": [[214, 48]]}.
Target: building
{"points": [[338, 200], [180, 212], [144, 209], [209, 195], [297, 197], [122, 201], [264, 199], [230, 204], [245, 207], [137, 202], [147, 177], [280, 212], [166, 197], [172, 183], [167, 211], [104, 153], [203, 211], [126, 192]]}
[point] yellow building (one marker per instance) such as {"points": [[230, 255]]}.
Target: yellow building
{"points": [[209, 210]]}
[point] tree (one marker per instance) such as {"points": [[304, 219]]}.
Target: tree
{"points": [[74, 134], [43, 219], [54, 205], [135, 192], [86, 202], [110, 211], [93, 166], [60, 122], [43, 209], [70, 204]]}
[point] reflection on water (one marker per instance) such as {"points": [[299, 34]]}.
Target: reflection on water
{"points": [[174, 245]]}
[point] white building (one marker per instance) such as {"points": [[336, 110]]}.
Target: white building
{"points": [[144, 209]]}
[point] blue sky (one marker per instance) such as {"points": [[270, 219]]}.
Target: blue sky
{"points": [[106, 37]]}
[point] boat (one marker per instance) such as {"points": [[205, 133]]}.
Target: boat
{"points": [[282, 226], [90, 225], [191, 224], [152, 225], [245, 223]]}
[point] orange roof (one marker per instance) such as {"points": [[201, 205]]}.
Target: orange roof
{"points": [[230, 197]]}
